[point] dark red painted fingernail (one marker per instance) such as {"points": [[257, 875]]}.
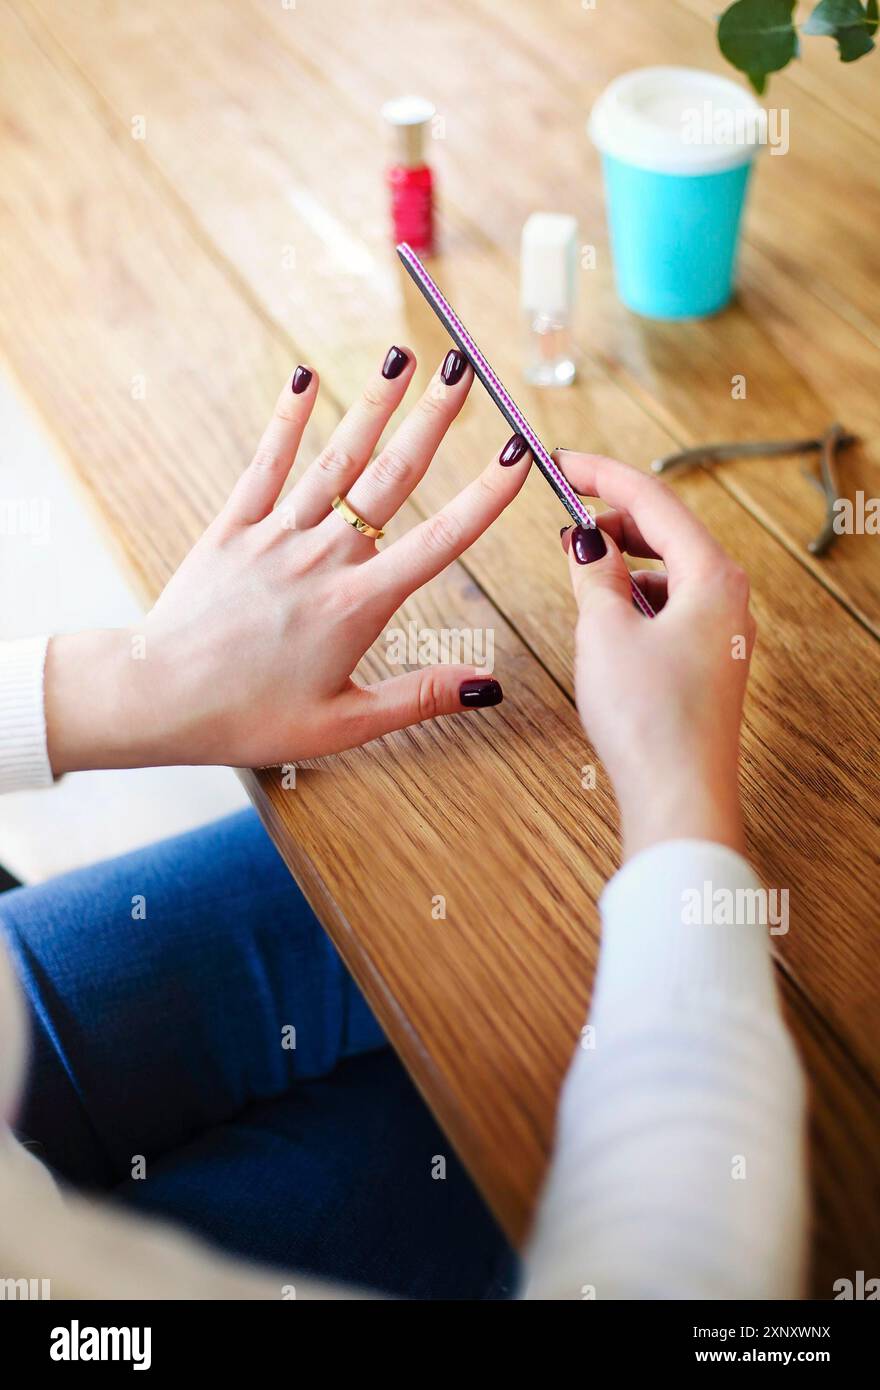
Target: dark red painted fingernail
{"points": [[480, 694], [563, 529], [394, 363], [588, 544], [453, 367], [513, 450], [301, 378]]}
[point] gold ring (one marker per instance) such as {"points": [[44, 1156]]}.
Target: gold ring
{"points": [[350, 515]]}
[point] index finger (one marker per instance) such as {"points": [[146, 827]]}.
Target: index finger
{"points": [[671, 530]]}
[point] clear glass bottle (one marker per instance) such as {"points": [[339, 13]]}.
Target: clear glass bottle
{"points": [[547, 292]]}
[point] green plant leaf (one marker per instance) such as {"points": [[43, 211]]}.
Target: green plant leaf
{"points": [[853, 43], [848, 23], [830, 15], [758, 37]]}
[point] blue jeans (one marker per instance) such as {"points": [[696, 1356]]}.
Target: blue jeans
{"points": [[192, 1021]]}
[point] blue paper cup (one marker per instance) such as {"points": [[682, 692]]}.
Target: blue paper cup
{"points": [[675, 186]]}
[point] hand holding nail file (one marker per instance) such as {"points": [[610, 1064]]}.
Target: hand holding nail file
{"points": [[504, 401]]}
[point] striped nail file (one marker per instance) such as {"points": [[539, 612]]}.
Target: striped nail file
{"points": [[503, 399]]}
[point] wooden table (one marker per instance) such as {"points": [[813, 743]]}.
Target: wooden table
{"points": [[192, 202]]}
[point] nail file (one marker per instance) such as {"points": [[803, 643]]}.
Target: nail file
{"points": [[503, 399]]}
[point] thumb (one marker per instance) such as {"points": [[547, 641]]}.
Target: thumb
{"points": [[419, 695], [598, 573]]}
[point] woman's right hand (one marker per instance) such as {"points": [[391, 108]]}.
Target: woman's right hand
{"points": [[661, 700]]}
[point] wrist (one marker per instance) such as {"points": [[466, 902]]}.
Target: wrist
{"points": [[696, 805], [96, 713]]}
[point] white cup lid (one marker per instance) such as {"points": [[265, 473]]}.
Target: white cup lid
{"points": [[677, 121]]}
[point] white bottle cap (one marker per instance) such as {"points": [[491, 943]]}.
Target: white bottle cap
{"points": [[549, 260], [677, 121], [409, 116]]}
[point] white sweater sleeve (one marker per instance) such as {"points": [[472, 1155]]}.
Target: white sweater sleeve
{"points": [[24, 761], [679, 1167]]}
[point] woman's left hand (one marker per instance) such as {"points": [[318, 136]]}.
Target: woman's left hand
{"points": [[247, 657]]}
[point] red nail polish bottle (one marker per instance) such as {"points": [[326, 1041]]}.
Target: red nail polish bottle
{"points": [[410, 179]]}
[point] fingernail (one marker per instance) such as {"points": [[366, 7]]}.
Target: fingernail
{"points": [[394, 363], [588, 544], [301, 378], [563, 529], [513, 450], [453, 367], [479, 694]]}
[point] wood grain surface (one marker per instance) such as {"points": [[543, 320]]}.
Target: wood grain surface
{"points": [[167, 262]]}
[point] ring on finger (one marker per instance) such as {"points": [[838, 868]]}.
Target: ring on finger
{"points": [[348, 513]]}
